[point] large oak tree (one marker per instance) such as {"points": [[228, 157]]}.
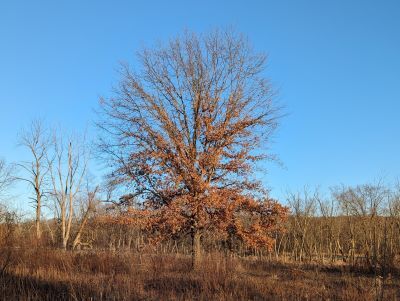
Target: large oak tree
{"points": [[185, 129]]}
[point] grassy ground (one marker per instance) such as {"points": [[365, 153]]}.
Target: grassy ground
{"points": [[57, 275]]}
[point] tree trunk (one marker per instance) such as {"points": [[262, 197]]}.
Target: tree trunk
{"points": [[37, 222], [38, 201], [196, 249], [63, 224], [64, 244], [77, 239]]}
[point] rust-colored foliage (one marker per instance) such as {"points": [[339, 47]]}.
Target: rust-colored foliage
{"points": [[185, 132]]}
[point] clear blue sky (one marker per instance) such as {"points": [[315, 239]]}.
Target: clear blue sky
{"points": [[335, 63]]}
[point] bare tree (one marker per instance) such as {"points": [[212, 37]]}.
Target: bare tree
{"points": [[6, 176], [68, 166], [8, 219], [87, 207], [36, 140], [303, 208], [363, 205], [329, 232], [185, 132]]}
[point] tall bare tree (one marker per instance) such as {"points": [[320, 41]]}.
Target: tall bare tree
{"points": [[68, 165], [185, 131], [35, 139]]}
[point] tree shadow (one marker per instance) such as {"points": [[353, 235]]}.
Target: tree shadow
{"points": [[15, 287]]}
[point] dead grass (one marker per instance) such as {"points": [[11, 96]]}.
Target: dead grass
{"points": [[42, 274]]}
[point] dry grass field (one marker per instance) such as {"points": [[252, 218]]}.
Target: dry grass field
{"points": [[44, 274]]}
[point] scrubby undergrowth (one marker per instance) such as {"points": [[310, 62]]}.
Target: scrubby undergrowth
{"points": [[41, 274]]}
